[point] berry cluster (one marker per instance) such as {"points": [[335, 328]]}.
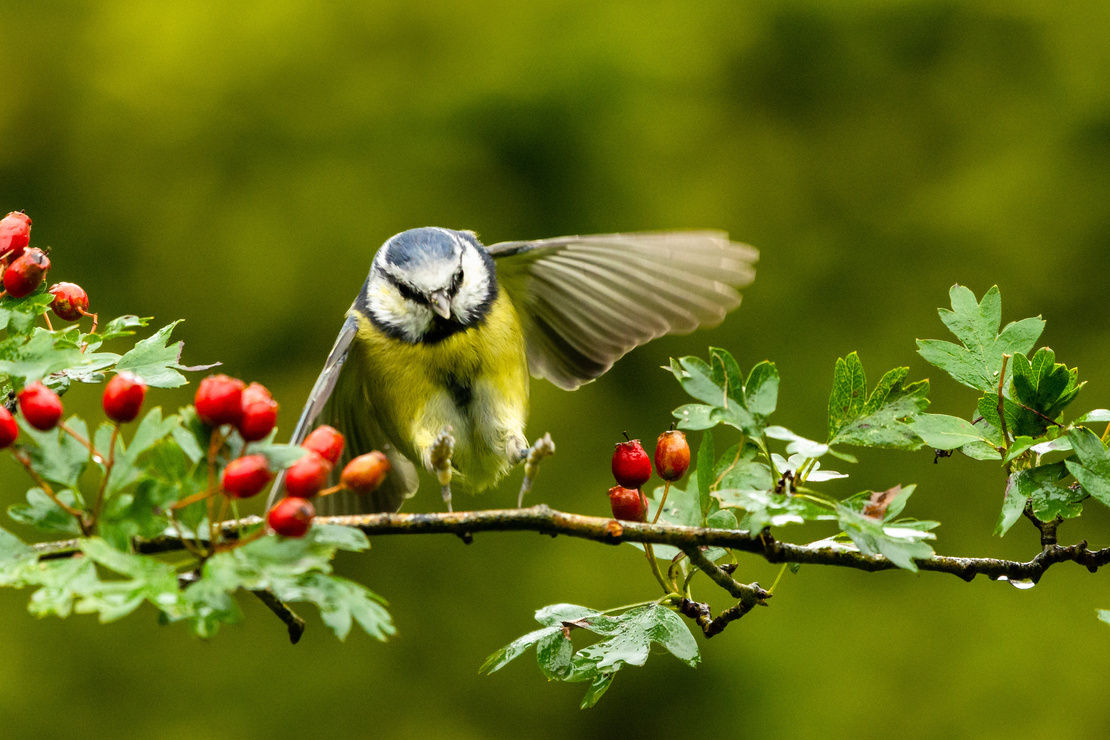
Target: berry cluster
{"points": [[42, 407], [25, 268], [223, 402], [632, 469]]}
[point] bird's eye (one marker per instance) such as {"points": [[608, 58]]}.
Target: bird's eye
{"points": [[456, 282], [408, 292]]}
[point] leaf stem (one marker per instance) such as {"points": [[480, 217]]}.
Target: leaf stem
{"points": [[107, 473], [666, 490], [26, 462], [779, 576], [1001, 405], [215, 444], [96, 456]]}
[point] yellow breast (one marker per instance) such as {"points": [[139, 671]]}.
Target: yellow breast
{"points": [[475, 381]]}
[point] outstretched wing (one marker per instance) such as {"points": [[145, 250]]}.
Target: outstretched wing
{"points": [[339, 398], [585, 301]]}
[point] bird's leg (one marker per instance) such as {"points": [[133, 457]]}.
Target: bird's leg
{"points": [[440, 456], [542, 448]]}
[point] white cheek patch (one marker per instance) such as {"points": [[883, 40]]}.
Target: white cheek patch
{"points": [[387, 306], [475, 286]]}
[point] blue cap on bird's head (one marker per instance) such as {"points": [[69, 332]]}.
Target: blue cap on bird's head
{"points": [[426, 244]]}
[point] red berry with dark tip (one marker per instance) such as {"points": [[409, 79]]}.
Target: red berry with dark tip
{"points": [[219, 400], [626, 504], [9, 430], [15, 233], [246, 476], [365, 473], [26, 273], [672, 455], [259, 412], [307, 476], [291, 517], [40, 406], [123, 397], [326, 441], [631, 465], [70, 303]]}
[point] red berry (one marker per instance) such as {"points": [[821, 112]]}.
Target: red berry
{"points": [[219, 400], [40, 406], [307, 476], [291, 517], [15, 233], [70, 303], [259, 412], [366, 472], [672, 455], [9, 430], [246, 476], [631, 466], [26, 273], [325, 441], [123, 397], [627, 504]]}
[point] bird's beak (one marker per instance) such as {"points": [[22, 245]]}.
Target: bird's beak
{"points": [[440, 303]]}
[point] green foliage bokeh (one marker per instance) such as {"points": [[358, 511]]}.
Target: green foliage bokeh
{"points": [[237, 164]]}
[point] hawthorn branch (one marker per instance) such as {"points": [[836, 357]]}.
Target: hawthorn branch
{"points": [[544, 520], [293, 621]]}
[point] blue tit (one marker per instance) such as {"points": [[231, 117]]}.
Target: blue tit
{"points": [[445, 333]]}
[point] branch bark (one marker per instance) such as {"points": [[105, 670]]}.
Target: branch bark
{"points": [[549, 521]]}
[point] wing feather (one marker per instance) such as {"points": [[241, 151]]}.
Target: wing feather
{"points": [[338, 398], [585, 301]]}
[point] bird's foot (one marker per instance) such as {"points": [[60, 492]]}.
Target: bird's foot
{"points": [[440, 456], [542, 448]]}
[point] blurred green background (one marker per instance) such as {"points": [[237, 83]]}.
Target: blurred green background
{"points": [[237, 164]]}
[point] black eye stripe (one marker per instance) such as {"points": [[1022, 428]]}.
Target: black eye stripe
{"points": [[405, 290]]}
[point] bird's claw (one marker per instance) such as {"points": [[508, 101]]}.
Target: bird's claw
{"points": [[542, 448], [443, 447]]}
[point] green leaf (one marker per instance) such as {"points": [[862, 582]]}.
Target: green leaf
{"points": [[629, 639], [1092, 469], [631, 635], [705, 473], [61, 583], [278, 456], [1096, 416], [719, 385], [17, 315], [56, 456], [768, 509], [553, 653], [343, 538], [797, 443], [1038, 486], [38, 357], [42, 513], [157, 362], [552, 617], [340, 601], [900, 541], [695, 416], [878, 420], [978, 362], [943, 432], [598, 687], [849, 393], [298, 570], [147, 579], [12, 548], [761, 391]]}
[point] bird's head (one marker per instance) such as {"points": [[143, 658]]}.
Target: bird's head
{"points": [[426, 284]]}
